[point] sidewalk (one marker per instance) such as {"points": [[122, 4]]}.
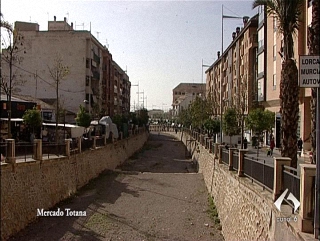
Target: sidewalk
{"points": [[276, 153]]}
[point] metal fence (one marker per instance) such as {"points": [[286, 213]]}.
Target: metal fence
{"points": [[235, 160], [3, 149], [257, 170], [24, 151], [100, 141], [291, 181], [86, 144], [50, 149], [225, 156]]}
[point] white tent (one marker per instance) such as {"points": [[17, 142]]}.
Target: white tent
{"points": [[110, 127]]}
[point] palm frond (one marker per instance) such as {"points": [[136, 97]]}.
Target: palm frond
{"points": [[287, 13]]}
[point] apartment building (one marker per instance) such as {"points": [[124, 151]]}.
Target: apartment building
{"points": [[121, 93], [231, 79], [270, 44], [184, 93], [116, 87], [91, 78]]}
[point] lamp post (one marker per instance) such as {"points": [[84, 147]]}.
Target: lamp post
{"points": [[221, 64], [203, 65], [203, 95], [138, 96], [163, 109], [142, 92]]}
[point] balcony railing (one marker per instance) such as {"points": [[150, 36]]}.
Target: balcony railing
{"points": [[96, 58], [96, 75]]}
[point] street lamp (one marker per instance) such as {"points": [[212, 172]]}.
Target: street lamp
{"points": [[163, 109], [221, 64], [134, 108], [203, 65], [203, 95]]}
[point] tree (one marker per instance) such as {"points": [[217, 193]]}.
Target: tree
{"points": [[58, 72], [260, 121], [118, 120], [83, 117], [10, 57], [230, 123], [314, 49], [32, 118], [184, 117], [287, 13], [199, 111], [143, 117], [212, 126]]}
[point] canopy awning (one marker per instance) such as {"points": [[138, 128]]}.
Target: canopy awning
{"points": [[12, 119]]}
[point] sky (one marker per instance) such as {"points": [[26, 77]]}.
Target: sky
{"points": [[159, 43]]}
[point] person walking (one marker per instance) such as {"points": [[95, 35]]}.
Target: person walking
{"points": [[299, 144], [245, 143], [272, 145]]}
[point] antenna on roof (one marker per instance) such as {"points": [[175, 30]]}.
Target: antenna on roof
{"points": [[107, 43], [98, 35], [79, 25]]}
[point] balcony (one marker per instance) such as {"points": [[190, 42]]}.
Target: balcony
{"points": [[96, 58], [96, 75], [253, 40], [241, 69]]}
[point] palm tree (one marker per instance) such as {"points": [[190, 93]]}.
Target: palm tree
{"points": [[313, 45], [287, 13]]}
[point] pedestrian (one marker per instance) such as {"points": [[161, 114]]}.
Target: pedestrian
{"points": [[245, 143], [299, 144], [272, 145]]}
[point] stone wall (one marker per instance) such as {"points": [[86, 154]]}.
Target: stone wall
{"points": [[43, 184], [246, 210]]}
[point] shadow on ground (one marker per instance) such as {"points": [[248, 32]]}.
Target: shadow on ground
{"points": [[161, 154], [106, 188]]}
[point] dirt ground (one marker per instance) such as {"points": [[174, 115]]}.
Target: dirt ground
{"points": [[155, 195]]}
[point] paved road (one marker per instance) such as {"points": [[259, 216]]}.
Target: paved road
{"points": [[155, 195]]}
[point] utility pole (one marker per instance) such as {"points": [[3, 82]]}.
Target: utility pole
{"points": [[142, 92], [138, 93]]}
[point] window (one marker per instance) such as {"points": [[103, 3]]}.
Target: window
{"points": [[87, 80], [274, 52], [275, 24], [87, 63], [261, 63], [47, 115], [274, 82]]}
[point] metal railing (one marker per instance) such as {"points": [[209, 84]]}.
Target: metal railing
{"points": [[86, 144], [3, 149], [235, 160], [258, 171], [53, 149], [291, 181], [225, 156], [24, 151], [100, 141]]}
